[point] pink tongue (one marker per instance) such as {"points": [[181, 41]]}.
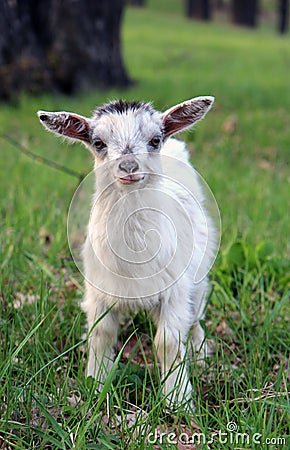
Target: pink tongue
{"points": [[130, 178]]}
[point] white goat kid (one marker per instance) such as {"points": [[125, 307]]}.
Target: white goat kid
{"points": [[128, 141]]}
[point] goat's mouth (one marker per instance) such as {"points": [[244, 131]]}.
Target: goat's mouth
{"points": [[131, 178]]}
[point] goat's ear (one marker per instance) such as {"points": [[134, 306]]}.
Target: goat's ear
{"points": [[66, 124], [186, 114]]}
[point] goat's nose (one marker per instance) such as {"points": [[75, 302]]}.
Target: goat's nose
{"points": [[129, 165]]}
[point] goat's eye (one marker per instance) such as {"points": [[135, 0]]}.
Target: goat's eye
{"points": [[99, 144], [155, 141]]}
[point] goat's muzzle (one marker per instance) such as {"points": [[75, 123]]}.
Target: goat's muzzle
{"points": [[129, 167]]}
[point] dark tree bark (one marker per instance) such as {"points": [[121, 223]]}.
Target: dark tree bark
{"points": [[21, 55], [283, 15], [198, 9], [140, 3], [220, 4], [244, 12], [63, 45]]}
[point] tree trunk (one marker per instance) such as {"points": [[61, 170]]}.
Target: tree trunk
{"points": [[245, 12], [140, 3], [198, 9], [283, 15], [220, 4], [63, 45], [21, 54]]}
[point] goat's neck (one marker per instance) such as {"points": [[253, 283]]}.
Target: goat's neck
{"points": [[117, 206]]}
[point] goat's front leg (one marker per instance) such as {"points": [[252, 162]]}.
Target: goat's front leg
{"points": [[173, 324], [201, 346], [102, 339]]}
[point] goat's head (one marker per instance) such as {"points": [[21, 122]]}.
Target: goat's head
{"points": [[127, 134]]}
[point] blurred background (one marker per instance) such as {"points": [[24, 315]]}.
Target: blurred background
{"points": [[70, 45]]}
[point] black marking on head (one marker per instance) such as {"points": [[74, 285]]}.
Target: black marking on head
{"points": [[122, 106]]}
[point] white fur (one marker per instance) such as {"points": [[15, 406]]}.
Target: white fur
{"points": [[116, 278]]}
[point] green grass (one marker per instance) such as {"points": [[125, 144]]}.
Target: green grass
{"points": [[242, 150]]}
